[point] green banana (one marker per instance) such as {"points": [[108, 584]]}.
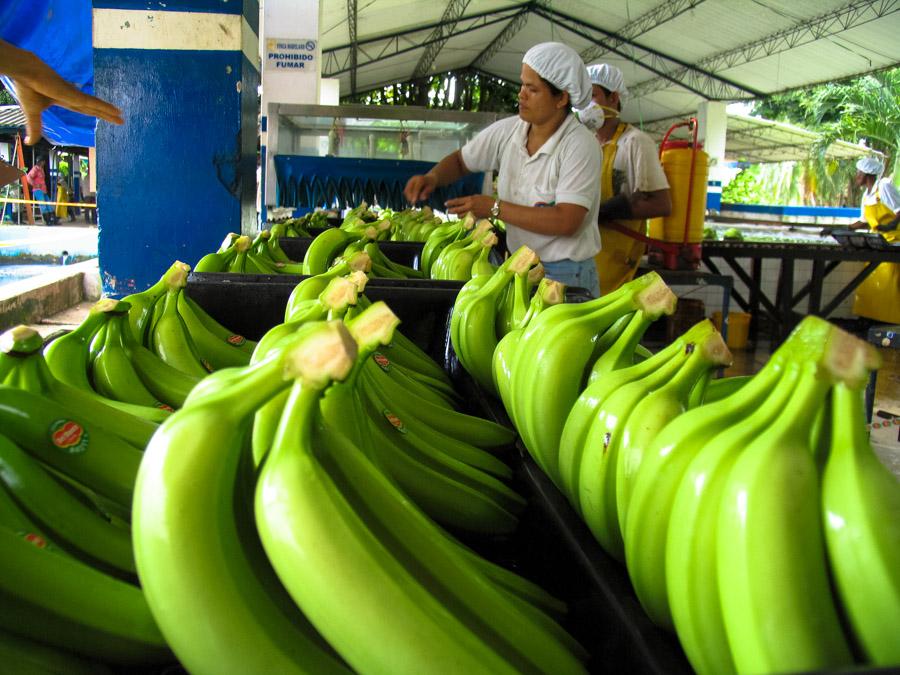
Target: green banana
{"points": [[770, 548], [220, 261], [692, 576], [75, 446], [619, 353], [199, 562], [65, 517], [660, 474], [552, 355], [440, 266], [51, 597], [211, 348], [320, 504], [218, 329], [21, 357], [169, 337], [324, 249], [141, 304], [861, 516], [660, 406], [311, 288], [439, 239], [112, 372], [473, 331], [378, 256], [167, 383]]}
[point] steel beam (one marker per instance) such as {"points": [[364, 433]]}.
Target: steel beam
{"points": [[439, 36], [354, 48]]}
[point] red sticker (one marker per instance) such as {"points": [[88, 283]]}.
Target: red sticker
{"points": [[236, 340], [69, 436], [163, 406], [383, 362], [35, 539], [395, 421]]}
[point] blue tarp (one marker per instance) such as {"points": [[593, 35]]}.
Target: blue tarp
{"points": [[59, 32]]}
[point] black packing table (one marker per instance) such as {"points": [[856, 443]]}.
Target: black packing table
{"points": [[825, 258]]}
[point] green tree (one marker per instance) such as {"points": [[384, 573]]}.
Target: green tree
{"points": [[5, 97]]}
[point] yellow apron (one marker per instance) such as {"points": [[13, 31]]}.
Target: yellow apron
{"points": [[878, 297], [62, 195], [620, 254]]}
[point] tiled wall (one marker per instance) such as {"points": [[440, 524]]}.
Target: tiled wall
{"points": [[833, 284]]}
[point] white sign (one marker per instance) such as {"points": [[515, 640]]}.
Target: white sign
{"points": [[290, 54]]}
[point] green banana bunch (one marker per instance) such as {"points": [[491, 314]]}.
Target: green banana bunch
{"points": [[261, 260], [861, 515], [52, 597], [441, 265], [341, 537], [21, 655], [621, 340], [440, 238], [657, 481], [455, 262], [212, 349], [309, 289], [553, 353], [473, 332], [661, 405], [169, 337], [771, 550], [199, 562], [274, 245], [79, 528], [221, 260], [324, 249], [141, 313], [22, 361], [378, 257]]}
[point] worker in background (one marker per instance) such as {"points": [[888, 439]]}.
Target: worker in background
{"points": [[38, 86], [37, 179], [633, 186], [548, 169], [878, 297]]}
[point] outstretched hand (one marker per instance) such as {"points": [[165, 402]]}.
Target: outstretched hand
{"points": [[419, 188], [38, 87]]}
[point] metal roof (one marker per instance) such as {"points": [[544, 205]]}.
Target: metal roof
{"points": [[674, 53], [11, 117]]}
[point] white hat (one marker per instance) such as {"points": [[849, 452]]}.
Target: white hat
{"points": [[609, 77], [561, 66], [870, 165]]}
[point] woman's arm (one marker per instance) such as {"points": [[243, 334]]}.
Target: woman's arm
{"points": [[560, 220]]}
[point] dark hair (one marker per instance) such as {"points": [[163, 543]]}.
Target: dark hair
{"points": [[556, 91], [609, 92]]}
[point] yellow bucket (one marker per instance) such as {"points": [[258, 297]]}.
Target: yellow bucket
{"points": [[676, 162], [738, 328]]}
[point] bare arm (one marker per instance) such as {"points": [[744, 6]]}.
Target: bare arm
{"points": [[638, 206], [450, 169], [558, 220], [38, 87]]}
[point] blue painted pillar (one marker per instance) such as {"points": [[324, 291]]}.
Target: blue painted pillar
{"points": [[181, 172]]}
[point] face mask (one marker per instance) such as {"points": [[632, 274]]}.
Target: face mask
{"points": [[594, 115]]}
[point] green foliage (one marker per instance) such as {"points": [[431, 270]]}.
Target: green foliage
{"points": [[745, 188], [5, 97]]}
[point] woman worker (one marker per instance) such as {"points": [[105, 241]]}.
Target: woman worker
{"points": [[548, 169], [878, 297]]}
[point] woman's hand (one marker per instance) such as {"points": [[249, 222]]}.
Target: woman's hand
{"points": [[419, 188], [479, 205], [38, 87]]}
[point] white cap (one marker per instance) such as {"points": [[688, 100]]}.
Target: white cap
{"points": [[609, 77], [870, 165], [561, 66]]}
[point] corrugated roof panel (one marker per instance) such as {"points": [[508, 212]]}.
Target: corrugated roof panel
{"points": [[11, 117]]}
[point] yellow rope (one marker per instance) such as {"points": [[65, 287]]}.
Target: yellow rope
{"points": [[14, 200]]}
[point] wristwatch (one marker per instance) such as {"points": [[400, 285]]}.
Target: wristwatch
{"points": [[495, 209]]}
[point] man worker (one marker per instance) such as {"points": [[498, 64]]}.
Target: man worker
{"points": [[878, 297], [633, 186]]}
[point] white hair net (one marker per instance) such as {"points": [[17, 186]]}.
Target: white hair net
{"points": [[609, 77], [870, 165], [561, 66]]}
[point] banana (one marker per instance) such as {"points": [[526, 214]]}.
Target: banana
{"points": [[378, 256], [324, 249], [552, 356], [340, 536], [65, 517], [216, 328], [274, 246], [440, 266], [400, 375], [211, 348], [141, 304], [206, 582], [220, 261], [311, 288], [67, 355], [658, 478], [661, 406], [20, 354], [28, 657], [473, 321], [167, 383], [169, 337], [112, 372], [619, 352], [49, 596], [861, 516], [439, 239], [73, 445], [512, 305], [770, 549]]}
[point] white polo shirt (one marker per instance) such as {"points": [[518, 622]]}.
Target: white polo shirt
{"points": [[565, 170]]}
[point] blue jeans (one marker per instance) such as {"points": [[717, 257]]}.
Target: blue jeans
{"points": [[582, 274], [41, 196]]}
